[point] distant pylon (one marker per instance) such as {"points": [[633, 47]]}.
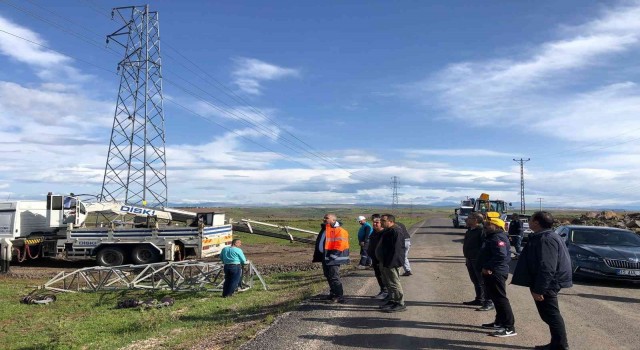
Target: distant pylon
{"points": [[136, 167], [523, 207], [394, 198]]}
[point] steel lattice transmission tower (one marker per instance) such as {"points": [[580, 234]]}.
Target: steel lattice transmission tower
{"points": [[523, 207], [136, 166], [394, 197]]}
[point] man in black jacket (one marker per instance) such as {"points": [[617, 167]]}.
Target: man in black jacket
{"points": [[516, 233], [390, 252], [545, 267], [371, 251], [471, 249], [494, 259]]}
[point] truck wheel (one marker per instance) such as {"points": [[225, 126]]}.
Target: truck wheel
{"points": [[144, 254], [455, 224], [110, 256]]}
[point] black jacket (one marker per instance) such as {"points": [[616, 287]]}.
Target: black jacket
{"points": [[515, 228], [374, 239], [473, 242], [544, 264], [495, 254], [390, 250]]}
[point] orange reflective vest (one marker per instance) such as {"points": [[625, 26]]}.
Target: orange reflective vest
{"points": [[336, 245]]}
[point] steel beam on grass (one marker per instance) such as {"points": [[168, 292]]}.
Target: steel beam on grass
{"points": [[176, 276]]}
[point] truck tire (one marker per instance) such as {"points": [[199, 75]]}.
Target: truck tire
{"points": [[144, 254], [110, 256], [455, 224]]}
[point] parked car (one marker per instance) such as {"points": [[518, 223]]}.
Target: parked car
{"points": [[524, 219], [602, 252]]}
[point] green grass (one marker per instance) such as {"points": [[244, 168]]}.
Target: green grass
{"points": [[90, 320]]}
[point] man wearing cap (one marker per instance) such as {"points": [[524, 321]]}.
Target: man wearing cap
{"points": [[494, 258], [364, 235]]}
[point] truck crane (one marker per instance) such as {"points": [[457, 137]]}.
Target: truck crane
{"points": [[57, 227]]}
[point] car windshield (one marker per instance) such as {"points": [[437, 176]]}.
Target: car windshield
{"points": [[605, 237], [465, 211]]}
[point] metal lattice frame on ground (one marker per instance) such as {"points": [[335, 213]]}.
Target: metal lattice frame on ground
{"points": [[175, 276], [135, 171]]}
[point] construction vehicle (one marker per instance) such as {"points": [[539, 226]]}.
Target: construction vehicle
{"points": [[483, 204], [460, 216], [57, 227]]}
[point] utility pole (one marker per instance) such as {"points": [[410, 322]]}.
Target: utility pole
{"points": [[136, 167], [523, 207], [540, 200], [394, 196]]}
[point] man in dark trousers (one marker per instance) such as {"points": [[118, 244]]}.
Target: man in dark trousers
{"points": [[515, 233], [373, 243], [545, 267], [473, 239], [332, 250], [364, 236], [494, 258], [390, 252]]}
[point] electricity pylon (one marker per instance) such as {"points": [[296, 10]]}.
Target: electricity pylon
{"points": [[394, 198], [136, 166], [523, 207]]}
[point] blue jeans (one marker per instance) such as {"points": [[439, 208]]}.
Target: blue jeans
{"points": [[232, 277], [517, 243]]}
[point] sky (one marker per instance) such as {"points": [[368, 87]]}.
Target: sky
{"points": [[313, 103]]}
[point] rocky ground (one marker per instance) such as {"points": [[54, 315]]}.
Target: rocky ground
{"points": [[628, 221]]}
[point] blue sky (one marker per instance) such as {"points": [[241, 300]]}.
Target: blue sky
{"points": [[443, 95]]}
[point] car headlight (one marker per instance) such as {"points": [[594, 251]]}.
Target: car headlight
{"points": [[585, 257]]}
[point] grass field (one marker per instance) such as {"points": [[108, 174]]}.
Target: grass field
{"points": [[91, 321]]}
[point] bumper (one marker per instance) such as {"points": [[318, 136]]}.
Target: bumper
{"points": [[602, 271]]}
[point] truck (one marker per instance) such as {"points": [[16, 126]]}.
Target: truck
{"points": [[460, 216], [483, 204], [58, 227]]}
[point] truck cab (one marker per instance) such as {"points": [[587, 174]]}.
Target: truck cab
{"points": [[460, 216]]}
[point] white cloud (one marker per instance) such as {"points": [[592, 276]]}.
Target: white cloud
{"points": [[249, 73], [553, 85], [21, 45], [452, 152]]}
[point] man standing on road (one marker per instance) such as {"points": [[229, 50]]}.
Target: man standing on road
{"points": [[406, 266], [332, 250], [494, 259], [545, 267], [373, 243], [516, 233], [390, 253], [473, 239], [364, 235], [233, 259]]}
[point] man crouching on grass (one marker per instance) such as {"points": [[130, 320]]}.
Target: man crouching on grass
{"points": [[390, 252], [332, 250]]}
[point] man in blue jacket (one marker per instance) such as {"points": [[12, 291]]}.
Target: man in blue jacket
{"points": [[494, 259], [545, 267], [233, 259], [364, 235]]}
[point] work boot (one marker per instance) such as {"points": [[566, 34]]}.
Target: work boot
{"points": [[476, 302]]}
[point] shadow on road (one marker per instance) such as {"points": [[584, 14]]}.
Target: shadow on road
{"points": [[451, 233], [386, 323], [401, 341], [436, 260], [605, 297]]}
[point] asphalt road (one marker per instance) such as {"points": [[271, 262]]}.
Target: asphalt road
{"points": [[597, 315]]}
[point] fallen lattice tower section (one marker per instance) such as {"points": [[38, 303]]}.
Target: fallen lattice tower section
{"points": [[179, 276]]}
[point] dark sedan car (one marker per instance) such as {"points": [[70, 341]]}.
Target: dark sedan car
{"points": [[603, 252]]}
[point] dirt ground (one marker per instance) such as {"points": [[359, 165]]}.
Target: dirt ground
{"points": [[268, 258]]}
